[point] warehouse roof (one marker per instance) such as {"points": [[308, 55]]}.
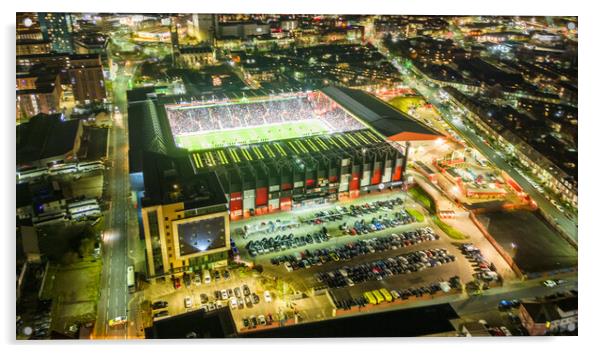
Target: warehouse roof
{"points": [[424, 321], [45, 136], [195, 324], [382, 117]]}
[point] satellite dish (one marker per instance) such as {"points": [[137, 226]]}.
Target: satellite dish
{"points": [[571, 26], [27, 331], [27, 22], [571, 327]]}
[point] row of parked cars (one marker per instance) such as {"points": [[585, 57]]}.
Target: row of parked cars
{"points": [[260, 320], [268, 227], [378, 296], [364, 226], [237, 298], [307, 258], [285, 242], [337, 213], [483, 269], [383, 268]]}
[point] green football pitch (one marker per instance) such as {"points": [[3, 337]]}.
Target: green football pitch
{"points": [[248, 135]]}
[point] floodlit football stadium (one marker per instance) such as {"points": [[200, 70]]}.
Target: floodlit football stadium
{"points": [[228, 122], [261, 153]]}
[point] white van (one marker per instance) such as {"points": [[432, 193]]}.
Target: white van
{"points": [[206, 276]]}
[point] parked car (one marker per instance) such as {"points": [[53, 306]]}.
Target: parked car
{"points": [[246, 290], [267, 296], [159, 305], [233, 303]]}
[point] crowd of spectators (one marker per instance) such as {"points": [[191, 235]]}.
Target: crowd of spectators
{"points": [[238, 115]]}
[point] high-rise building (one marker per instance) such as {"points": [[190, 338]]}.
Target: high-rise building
{"points": [[204, 28], [58, 29]]}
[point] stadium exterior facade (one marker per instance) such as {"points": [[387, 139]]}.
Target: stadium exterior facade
{"points": [[271, 176]]}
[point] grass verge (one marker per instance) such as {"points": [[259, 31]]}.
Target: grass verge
{"points": [[417, 215], [449, 230], [418, 194]]}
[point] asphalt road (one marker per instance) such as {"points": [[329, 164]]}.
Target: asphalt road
{"points": [[114, 292], [567, 225]]}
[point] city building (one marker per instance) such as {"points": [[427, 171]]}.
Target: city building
{"points": [[91, 43], [28, 26], [548, 158], [33, 46], [242, 30], [197, 57], [46, 140], [57, 28], [86, 78], [184, 216], [82, 73], [549, 316], [38, 91]]}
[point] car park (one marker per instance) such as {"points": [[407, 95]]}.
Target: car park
{"points": [[321, 256], [383, 268]]}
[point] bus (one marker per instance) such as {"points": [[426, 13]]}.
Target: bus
{"points": [[63, 169], [92, 212], [131, 278], [49, 218], [32, 173], [90, 166], [82, 206]]}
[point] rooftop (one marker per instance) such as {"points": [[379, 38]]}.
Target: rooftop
{"points": [[45, 136], [382, 117], [169, 180], [194, 324], [424, 321]]}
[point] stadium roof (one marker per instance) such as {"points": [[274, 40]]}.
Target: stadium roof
{"points": [[380, 116], [45, 136]]}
